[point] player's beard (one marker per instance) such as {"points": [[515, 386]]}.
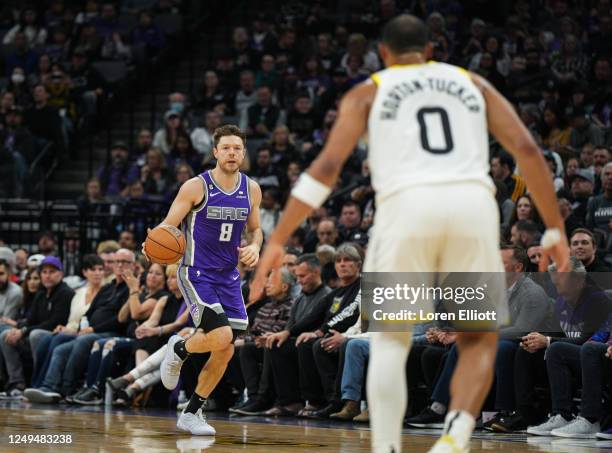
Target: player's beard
{"points": [[4, 286]]}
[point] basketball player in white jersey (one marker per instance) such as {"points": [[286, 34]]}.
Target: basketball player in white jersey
{"points": [[436, 211]]}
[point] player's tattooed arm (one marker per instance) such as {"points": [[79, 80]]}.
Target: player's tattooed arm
{"points": [[249, 254]]}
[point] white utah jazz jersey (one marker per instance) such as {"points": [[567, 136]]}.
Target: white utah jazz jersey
{"points": [[427, 125]]}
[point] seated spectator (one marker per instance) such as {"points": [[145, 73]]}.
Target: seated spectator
{"points": [[524, 233], [20, 57], [580, 307], [11, 297], [58, 47], [139, 307], [269, 211], [127, 240], [355, 71], [86, 86], [246, 96], [302, 120], [316, 386], [68, 361], [306, 313], [49, 309], [16, 136], [599, 208], [89, 41], [582, 185], [583, 247], [13, 173], [349, 223], [267, 75], [569, 64], [584, 130], [264, 116], [283, 148], [184, 152], [502, 169], [165, 137], [169, 315], [42, 119], [319, 351], [554, 130], [182, 173], [202, 137], [59, 88], [314, 78], [116, 176], [525, 210], [149, 34], [212, 96], [144, 142], [19, 89], [570, 220], [92, 201], [271, 318], [154, 175], [93, 271], [566, 364], [30, 27], [21, 264], [601, 157], [357, 46], [264, 171]]}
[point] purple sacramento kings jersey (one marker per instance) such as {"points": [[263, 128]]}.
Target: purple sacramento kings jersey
{"points": [[207, 276], [213, 229]]}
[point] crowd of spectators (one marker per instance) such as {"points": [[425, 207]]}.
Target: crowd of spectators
{"points": [[49, 86], [305, 353]]}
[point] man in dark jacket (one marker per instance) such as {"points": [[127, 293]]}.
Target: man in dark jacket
{"points": [[50, 308], [69, 360], [339, 311], [307, 313], [582, 246], [580, 307]]}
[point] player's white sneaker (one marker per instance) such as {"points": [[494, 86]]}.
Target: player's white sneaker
{"points": [[447, 444], [195, 424], [171, 365]]}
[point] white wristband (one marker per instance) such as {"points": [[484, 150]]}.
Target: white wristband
{"points": [[551, 237], [310, 191]]}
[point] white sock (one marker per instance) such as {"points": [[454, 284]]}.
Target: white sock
{"points": [[386, 385], [459, 425]]}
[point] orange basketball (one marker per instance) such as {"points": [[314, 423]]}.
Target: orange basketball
{"points": [[165, 244]]}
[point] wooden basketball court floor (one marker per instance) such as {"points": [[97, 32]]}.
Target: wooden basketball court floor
{"points": [[102, 430]]}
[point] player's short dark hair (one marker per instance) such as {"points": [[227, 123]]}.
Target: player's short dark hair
{"points": [[405, 33], [90, 261], [519, 254], [228, 130], [310, 259], [6, 265]]}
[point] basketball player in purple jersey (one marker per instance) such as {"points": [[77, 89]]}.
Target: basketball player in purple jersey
{"points": [[212, 210]]}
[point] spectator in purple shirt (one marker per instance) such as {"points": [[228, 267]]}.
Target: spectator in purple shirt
{"points": [[149, 34], [116, 176]]}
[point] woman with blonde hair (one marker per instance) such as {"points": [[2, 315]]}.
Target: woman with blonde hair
{"points": [[169, 315]]}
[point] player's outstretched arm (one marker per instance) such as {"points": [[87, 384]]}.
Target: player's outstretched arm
{"points": [[509, 130], [350, 125]]}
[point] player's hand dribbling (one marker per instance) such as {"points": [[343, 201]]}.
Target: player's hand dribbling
{"points": [[272, 258], [249, 255]]}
